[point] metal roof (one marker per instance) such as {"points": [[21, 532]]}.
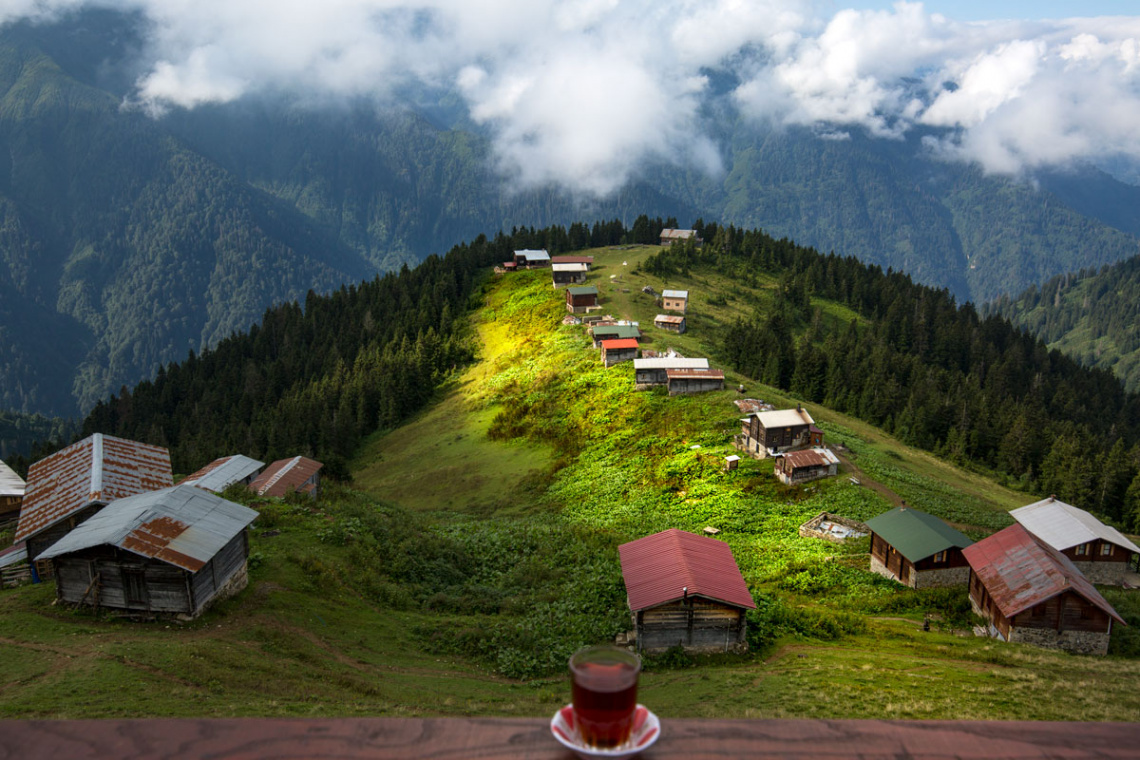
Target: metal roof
{"points": [[222, 472], [585, 290], [1020, 570], [784, 418], [572, 260], [182, 525], [96, 470], [658, 568], [618, 331], [670, 362], [16, 554], [530, 255], [810, 458], [284, 476], [673, 234], [11, 484], [570, 266], [686, 373], [614, 343], [675, 319], [916, 535], [1064, 526], [674, 294]]}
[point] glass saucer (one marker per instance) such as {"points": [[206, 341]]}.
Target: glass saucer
{"points": [[646, 729]]}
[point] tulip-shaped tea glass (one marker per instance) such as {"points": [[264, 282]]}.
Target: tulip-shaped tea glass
{"points": [[604, 694]]}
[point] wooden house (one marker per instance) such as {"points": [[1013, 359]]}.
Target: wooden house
{"points": [[654, 371], [675, 300], [765, 434], [581, 299], [568, 273], [694, 380], [527, 259], [587, 260], [1031, 593], [673, 323], [1099, 551], [614, 332], [171, 551], [618, 350], [286, 476], [917, 549], [222, 473], [73, 484], [685, 590], [803, 466], [12, 488], [670, 236]]}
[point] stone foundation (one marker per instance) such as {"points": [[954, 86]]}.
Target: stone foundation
{"points": [[1107, 573], [1079, 642], [949, 576], [878, 567]]}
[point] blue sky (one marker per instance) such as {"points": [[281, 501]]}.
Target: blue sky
{"points": [[983, 10]]}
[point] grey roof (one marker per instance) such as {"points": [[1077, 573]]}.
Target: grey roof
{"points": [[181, 525], [574, 266], [16, 554], [530, 255], [670, 362], [675, 294], [784, 418], [1064, 526], [11, 484], [916, 535], [222, 472]]}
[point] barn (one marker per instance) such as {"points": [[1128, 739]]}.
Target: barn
{"points": [[224, 472], [581, 299], [1031, 593], [917, 549], [674, 323], [171, 551], [685, 590], [286, 476], [1099, 551]]}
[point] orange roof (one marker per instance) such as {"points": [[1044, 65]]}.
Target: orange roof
{"points": [[285, 476], [657, 569], [614, 343]]}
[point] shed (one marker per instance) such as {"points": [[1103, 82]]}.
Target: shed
{"points": [[610, 332], [171, 551], [731, 462], [12, 488], [684, 589], [671, 322], [618, 350], [650, 372], [568, 273], [806, 465], [222, 473], [286, 476], [917, 549], [670, 236], [694, 380], [68, 487], [764, 434], [14, 567], [675, 300], [1099, 551], [1031, 593], [532, 259], [581, 299]]}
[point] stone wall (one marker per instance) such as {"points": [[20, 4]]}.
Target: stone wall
{"points": [[877, 566], [949, 576], [1109, 573], [1080, 642]]}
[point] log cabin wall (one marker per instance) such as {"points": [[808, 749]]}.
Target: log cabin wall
{"points": [[696, 624], [954, 558], [216, 573], [42, 541], [125, 581]]}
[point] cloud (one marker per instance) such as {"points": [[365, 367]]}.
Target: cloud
{"points": [[583, 92]]}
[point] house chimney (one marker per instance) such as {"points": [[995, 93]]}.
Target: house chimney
{"points": [[1052, 497], [902, 507], [685, 593]]}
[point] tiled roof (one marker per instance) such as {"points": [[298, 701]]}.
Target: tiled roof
{"points": [[658, 568], [1063, 526], [182, 525], [1020, 571], [96, 470], [222, 472], [284, 476], [916, 535]]}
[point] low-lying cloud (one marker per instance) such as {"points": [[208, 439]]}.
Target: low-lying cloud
{"points": [[582, 92]]}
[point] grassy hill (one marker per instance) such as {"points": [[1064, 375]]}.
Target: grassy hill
{"points": [[477, 548]]}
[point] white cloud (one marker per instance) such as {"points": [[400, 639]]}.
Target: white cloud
{"points": [[581, 92]]}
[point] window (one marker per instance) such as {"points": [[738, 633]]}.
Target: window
{"points": [[1083, 550], [1106, 550], [940, 556]]}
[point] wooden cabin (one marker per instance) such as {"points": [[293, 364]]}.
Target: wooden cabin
{"points": [[1099, 551], [917, 549], [527, 259], [681, 381], [222, 473], [173, 551], [796, 467], [673, 323], [286, 476], [654, 371], [581, 299], [618, 350], [670, 236], [675, 300], [568, 273], [614, 332], [1031, 593], [765, 434], [685, 590], [12, 488], [73, 484], [587, 260]]}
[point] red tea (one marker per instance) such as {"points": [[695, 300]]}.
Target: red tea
{"points": [[605, 697]]}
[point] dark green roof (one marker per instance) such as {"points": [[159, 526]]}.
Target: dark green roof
{"points": [[916, 535], [588, 290]]}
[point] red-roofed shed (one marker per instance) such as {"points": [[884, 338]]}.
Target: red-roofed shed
{"points": [[285, 476], [1031, 593], [685, 590], [616, 350]]}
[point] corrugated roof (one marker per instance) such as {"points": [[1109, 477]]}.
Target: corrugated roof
{"points": [[694, 372], [182, 525], [675, 319], [915, 534], [675, 293], [530, 255], [1020, 571], [670, 362], [673, 234], [1064, 526], [284, 476], [222, 472], [585, 290], [784, 418], [617, 331], [16, 554], [657, 568], [805, 458], [614, 343], [570, 266], [96, 470], [11, 484], [572, 259]]}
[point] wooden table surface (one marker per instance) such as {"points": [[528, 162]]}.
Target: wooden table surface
{"points": [[530, 739]]}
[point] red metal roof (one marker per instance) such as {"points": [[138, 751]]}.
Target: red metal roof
{"points": [[658, 568], [96, 470], [805, 458], [613, 343], [684, 374], [285, 476], [1020, 571]]}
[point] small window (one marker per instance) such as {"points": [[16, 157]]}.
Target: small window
{"points": [[1106, 550], [1083, 550], [940, 556]]}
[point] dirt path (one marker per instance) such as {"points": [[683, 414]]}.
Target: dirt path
{"points": [[854, 472]]}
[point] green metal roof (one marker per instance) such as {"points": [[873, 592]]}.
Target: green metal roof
{"points": [[916, 535], [587, 290]]}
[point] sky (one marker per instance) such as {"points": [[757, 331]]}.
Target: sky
{"points": [[581, 93]]}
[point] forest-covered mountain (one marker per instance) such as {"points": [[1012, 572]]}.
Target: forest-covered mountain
{"points": [[1091, 315], [126, 241]]}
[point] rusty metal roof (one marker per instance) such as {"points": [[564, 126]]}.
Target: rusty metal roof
{"points": [[697, 373], [96, 470], [805, 458], [658, 568], [612, 343], [669, 319], [1020, 571], [11, 484], [1063, 526], [222, 472], [182, 525], [285, 476]]}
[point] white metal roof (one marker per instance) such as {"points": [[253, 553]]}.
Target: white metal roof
{"points": [[1063, 526], [784, 418], [670, 362], [675, 293], [222, 472], [571, 267], [11, 484], [530, 255]]}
